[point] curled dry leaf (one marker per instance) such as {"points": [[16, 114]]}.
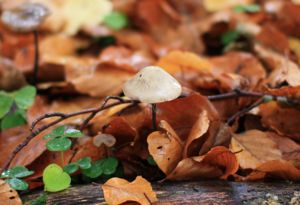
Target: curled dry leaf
{"points": [[222, 157], [284, 120], [283, 69], [165, 147], [194, 169], [281, 169], [8, 195], [198, 130], [219, 162], [118, 191], [253, 148], [181, 117]]}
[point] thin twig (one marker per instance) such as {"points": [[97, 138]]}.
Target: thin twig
{"points": [[244, 111], [235, 94], [62, 117], [92, 115]]}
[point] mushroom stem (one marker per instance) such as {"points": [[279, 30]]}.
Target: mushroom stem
{"points": [[153, 106], [36, 57]]}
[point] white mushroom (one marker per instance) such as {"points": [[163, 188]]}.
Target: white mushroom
{"points": [[152, 85], [106, 139], [27, 18]]}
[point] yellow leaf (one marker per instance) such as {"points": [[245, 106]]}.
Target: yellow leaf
{"points": [[118, 191], [179, 61]]}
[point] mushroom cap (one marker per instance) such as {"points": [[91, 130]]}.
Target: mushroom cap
{"points": [[152, 85], [25, 18]]}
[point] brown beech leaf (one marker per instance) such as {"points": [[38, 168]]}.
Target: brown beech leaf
{"points": [[219, 162], [125, 58], [118, 191], [198, 130], [8, 195], [179, 61], [253, 148], [284, 120], [121, 130], [86, 78], [86, 148], [194, 169], [165, 147], [222, 157], [11, 138], [281, 169], [283, 69], [181, 117], [242, 63]]}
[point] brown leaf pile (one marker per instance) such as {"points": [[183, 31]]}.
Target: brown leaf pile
{"points": [[193, 140]]}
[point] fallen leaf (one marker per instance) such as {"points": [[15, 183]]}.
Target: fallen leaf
{"points": [[180, 61], [284, 120], [198, 130], [8, 195], [281, 169], [165, 147], [254, 148], [194, 169], [222, 157], [118, 191]]}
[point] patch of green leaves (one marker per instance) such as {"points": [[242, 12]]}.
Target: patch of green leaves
{"points": [[105, 166], [55, 179], [59, 138], [249, 8], [84, 163], [116, 20], [13, 106], [13, 176]]}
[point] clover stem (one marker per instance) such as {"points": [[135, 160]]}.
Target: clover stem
{"points": [[62, 158], [36, 57], [153, 106]]}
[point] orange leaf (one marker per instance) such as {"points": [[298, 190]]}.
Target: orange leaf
{"points": [[281, 169], [8, 195], [118, 191], [198, 130], [194, 169], [222, 157], [165, 147], [284, 120], [254, 147], [178, 61]]}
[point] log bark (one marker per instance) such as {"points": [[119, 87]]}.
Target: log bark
{"points": [[173, 193]]}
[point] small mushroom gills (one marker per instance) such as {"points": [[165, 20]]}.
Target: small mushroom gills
{"points": [[152, 85], [26, 18]]}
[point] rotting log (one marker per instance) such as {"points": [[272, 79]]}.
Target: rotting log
{"points": [[170, 193]]}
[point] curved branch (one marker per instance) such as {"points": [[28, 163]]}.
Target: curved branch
{"points": [[62, 117]]}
